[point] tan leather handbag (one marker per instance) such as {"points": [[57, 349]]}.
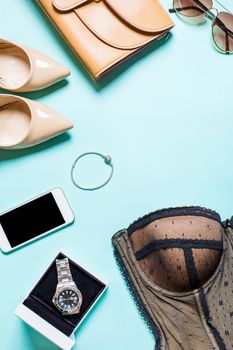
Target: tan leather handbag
{"points": [[103, 33]]}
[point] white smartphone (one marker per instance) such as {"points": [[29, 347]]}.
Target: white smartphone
{"points": [[34, 219]]}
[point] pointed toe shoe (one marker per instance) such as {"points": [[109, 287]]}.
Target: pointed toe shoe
{"points": [[23, 69], [25, 123]]}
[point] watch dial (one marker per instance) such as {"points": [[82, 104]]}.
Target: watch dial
{"points": [[67, 300]]}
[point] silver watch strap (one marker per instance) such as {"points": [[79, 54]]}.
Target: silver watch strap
{"points": [[63, 272]]}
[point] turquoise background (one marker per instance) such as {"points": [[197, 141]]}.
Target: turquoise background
{"points": [[167, 123]]}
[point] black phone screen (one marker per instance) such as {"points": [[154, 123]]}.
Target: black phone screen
{"points": [[31, 219]]}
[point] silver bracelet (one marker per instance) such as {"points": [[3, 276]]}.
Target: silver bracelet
{"points": [[107, 160]]}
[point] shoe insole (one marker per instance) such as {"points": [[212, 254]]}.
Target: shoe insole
{"points": [[15, 122], [14, 67]]}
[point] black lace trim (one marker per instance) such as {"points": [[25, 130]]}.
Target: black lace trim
{"points": [[141, 307], [178, 211], [214, 330], [178, 243]]}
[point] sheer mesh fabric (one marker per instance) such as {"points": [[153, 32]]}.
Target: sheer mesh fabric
{"points": [[168, 247]]}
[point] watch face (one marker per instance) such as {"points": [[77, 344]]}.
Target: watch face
{"points": [[67, 300]]}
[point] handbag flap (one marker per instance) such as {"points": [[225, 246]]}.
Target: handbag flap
{"points": [[67, 5], [118, 24], [145, 15]]}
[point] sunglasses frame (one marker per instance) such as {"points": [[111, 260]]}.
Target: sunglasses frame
{"points": [[207, 13]]}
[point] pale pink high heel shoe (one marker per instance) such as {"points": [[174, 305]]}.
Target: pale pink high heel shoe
{"points": [[24, 69], [25, 123]]}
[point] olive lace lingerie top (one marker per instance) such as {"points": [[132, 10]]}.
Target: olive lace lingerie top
{"points": [[178, 263]]}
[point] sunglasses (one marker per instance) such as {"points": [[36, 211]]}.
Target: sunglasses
{"points": [[222, 23]]}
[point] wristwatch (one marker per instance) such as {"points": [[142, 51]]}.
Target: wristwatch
{"points": [[67, 298]]}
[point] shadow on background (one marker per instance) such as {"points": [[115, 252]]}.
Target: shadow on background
{"points": [[38, 341], [12, 154], [116, 72], [47, 91], [40, 93]]}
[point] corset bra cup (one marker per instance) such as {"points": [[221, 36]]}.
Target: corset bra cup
{"points": [[178, 253], [178, 263]]}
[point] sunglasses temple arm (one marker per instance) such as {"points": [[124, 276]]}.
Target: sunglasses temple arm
{"points": [[227, 43], [184, 8]]}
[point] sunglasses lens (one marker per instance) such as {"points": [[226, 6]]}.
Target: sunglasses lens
{"points": [[223, 31], [192, 8]]}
